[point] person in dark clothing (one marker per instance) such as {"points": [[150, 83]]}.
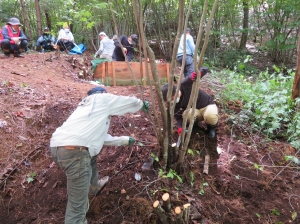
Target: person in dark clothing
{"points": [[46, 42], [128, 44], [206, 109], [14, 40]]}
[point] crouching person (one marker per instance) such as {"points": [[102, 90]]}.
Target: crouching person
{"points": [[14, 40], [206, 109], [75, 145]]}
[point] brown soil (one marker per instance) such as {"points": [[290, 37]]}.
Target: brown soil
{"points": [[248, 182]]}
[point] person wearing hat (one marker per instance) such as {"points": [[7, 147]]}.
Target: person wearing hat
{"points": [[65, 39], [14, 40], [127, 46], [46, 42], [75, 145], [106, 47], [190, 48]]}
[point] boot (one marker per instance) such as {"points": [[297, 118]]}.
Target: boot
{"points": [[211, 130]]}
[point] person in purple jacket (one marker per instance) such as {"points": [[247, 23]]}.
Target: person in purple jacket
{"points": [[206, 109]]}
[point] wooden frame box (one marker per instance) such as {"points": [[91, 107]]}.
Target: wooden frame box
{"points": [[118, 73]]}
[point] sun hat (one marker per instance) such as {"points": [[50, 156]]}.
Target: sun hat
{"points": [[14, 21]]}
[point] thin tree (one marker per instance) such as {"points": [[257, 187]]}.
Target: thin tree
{"points": [[26, 22], [245, 25], [296, 84], [38, 17]]}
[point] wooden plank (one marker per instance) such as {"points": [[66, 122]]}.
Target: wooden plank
{"points": [[114, 74], [103, 65]]}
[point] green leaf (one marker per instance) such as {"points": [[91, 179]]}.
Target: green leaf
{"points": [[294, 215], [30, 179], [191, 152]]}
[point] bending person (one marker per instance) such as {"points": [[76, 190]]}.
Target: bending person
{"points": [[206, 109]]}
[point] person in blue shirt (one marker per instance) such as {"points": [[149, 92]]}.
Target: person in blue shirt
{"points": [[46, 42], [14, 40], [190, 48]]}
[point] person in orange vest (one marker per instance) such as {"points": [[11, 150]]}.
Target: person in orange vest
{"points": [[14, 40]]}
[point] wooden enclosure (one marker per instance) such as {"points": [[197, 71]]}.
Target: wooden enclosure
{"points": [[119, 73]]}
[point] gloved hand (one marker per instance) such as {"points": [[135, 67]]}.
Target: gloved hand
{"points": [[179, 131], [16, 40], [146, 106], [131, 141], [203, 71], [193, 76]]}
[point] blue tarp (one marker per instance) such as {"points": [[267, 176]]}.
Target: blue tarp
{"points": [[78, 49]]}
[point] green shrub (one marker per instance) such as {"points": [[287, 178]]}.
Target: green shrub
{"points": [[268, 106]]}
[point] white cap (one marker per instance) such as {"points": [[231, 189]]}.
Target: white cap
{"points": [[102, 34]]}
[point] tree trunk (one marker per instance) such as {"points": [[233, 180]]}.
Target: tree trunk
{"points": [[48, 20], [245, 25], [38, 17], [26, 22], [296, 84]]}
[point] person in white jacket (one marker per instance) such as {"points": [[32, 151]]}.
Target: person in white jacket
{"points": [[106, 47], [75, 145], [65, 39]]}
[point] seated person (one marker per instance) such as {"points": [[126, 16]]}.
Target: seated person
{"points": [[14, 40], [65, 39], [206, 109], [106, 48], [128, 46], [46, 41]]}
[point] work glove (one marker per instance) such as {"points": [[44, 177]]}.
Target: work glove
{"points": [[131, 141], [179, 131], [145, 106], [203, 71], [16, 40], [193, 76]]}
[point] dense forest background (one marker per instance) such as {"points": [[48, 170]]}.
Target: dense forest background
{"points": [[271, 26]]}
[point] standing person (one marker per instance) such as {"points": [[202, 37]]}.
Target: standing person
{"points": [[75, 145], [206, 109], [46, 41], [106, 48], [65, 39], [14, 40], [128, 44], [190, 48]]}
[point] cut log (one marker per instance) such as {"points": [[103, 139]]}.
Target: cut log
{"points": [[186, 212], [178, 213], [160, 212], [166, 202]]}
